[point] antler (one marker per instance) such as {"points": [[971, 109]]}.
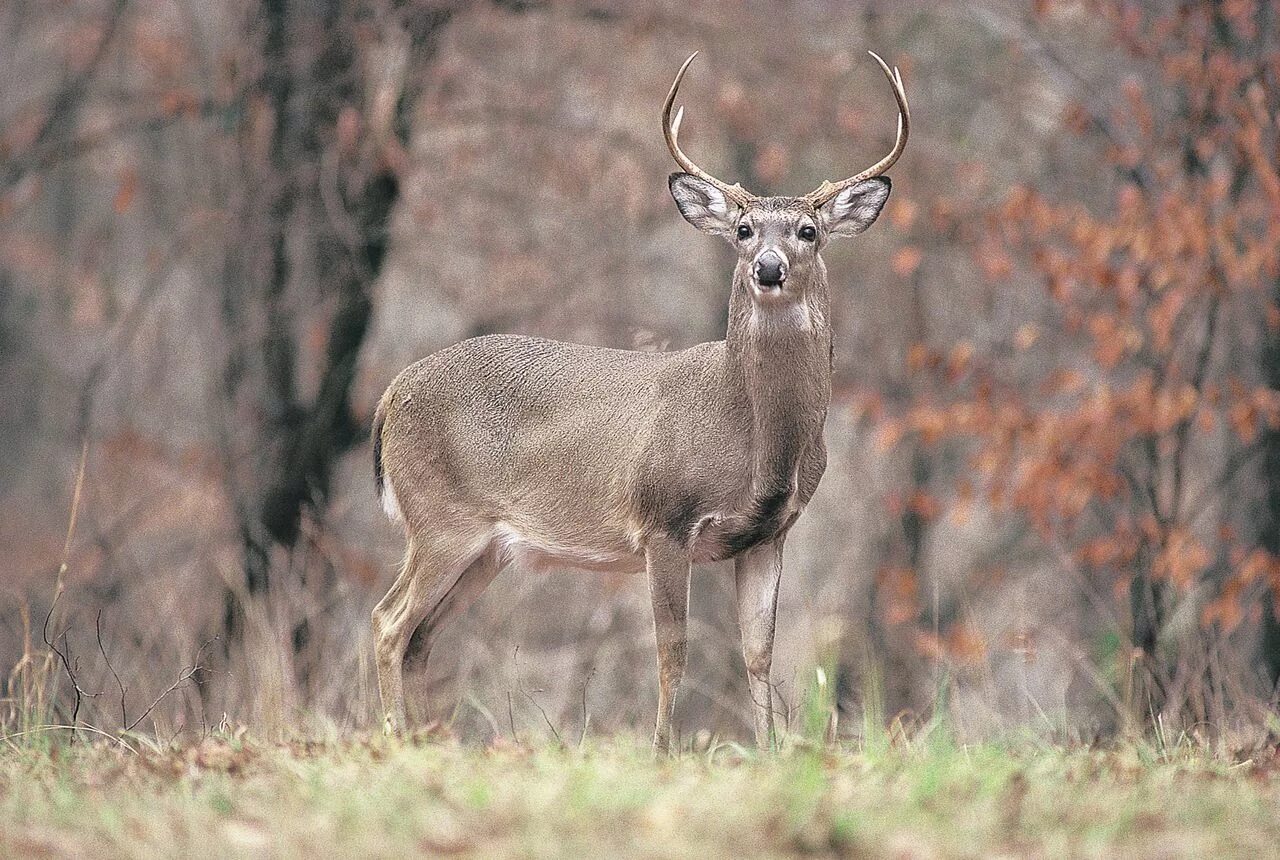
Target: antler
{"points": [[827, 190], [671, 130]]}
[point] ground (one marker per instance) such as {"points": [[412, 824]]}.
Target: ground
{"points": [[232, 796]]}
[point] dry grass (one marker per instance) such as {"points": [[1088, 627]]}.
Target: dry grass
{"points": [[231, 795]]}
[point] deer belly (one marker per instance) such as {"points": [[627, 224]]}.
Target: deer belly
{"points": [[537, 553]]}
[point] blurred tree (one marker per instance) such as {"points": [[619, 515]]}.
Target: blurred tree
{"points": [[1129, 450], [42, 133], [321, 151], [46, 132]]}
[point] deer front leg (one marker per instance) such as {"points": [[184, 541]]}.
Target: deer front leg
{"points": [[667, 566], [758, 572]]}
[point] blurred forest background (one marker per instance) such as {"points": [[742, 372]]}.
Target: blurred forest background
{"points": [[1053, 499]]}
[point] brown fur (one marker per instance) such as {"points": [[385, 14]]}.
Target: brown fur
{"points": [[507, 447]]}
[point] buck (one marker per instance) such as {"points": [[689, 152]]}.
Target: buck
{"points": [[504, 449]]}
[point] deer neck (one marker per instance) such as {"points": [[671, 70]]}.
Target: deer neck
{"points": [[779, 367]]}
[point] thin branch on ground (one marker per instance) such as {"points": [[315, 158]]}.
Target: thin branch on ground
{"points": [[586, 716], [97, 626], [82, 727], [527, 695], [59, 587], [185, 675], [64, 656]]}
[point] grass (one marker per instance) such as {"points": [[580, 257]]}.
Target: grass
{"points": [[228, 796]]}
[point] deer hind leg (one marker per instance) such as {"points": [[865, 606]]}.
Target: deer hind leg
{"points": [[474, 580], [432, 566], [667, 568]]}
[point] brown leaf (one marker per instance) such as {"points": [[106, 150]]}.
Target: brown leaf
{"points": [[125, 191], [906, 261]]}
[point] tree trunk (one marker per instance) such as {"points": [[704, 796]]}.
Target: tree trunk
{"points": [[1269, 514], [284, 445]]}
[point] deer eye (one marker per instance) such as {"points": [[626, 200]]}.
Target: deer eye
{"points": [[807, 233], [744, 231]]}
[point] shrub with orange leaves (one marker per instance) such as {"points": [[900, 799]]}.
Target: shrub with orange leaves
{"points": [[1125, 420]]}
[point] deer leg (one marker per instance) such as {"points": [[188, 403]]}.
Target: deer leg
{"points": [[757, 572], [431, 568], [667, 567], [474, 580]]}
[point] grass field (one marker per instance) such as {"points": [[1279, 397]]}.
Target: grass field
{"points": [[377, 797]]}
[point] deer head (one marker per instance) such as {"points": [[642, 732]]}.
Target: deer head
{"points": [[778, 239]]}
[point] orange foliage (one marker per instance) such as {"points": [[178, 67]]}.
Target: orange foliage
{"points": [[900, 592], [1135, 425], [962, 644]]}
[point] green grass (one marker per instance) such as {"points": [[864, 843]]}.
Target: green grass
{"points": [[375, 797]]}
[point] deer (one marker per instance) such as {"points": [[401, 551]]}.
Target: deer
{"points": [[515, 450]]}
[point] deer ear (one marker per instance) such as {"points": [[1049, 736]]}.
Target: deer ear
{"points": [[855, 208], [703, 205]]}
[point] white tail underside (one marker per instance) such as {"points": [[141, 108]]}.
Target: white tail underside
{"points": [[390, 503]]}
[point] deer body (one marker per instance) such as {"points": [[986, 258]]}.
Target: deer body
{"points": [[585, 453], [509, 448]]}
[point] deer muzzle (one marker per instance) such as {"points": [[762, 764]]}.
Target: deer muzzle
{"points": [[770, 268]]}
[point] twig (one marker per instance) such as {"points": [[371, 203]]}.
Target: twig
{"points": [[60, 585], [69, 665], [1069, 78], [185, 675], [75, 513], [1237, 460], [586, 717], [97, 626], [73, 729], [1182, 431], [784, 707], [527, 695], [66, 99]]}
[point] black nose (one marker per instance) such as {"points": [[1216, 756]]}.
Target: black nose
{"points": [[771, 271]]}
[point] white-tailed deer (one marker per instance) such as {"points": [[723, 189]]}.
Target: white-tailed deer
{"points": [[506, 448]]}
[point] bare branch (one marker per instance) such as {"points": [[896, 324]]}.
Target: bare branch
{"points": [[66, 99], [59, 586], [529, 696], [1183, 430], [124, 718], [64, 656], [73, 148], [185, 675], [586, 717], [1066, 75], [83, 728]]}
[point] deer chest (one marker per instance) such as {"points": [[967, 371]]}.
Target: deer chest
{"points": [[721, 526]]}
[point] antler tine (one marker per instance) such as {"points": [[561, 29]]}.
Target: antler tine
{"points": [[671, 131], [827, 190]]}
